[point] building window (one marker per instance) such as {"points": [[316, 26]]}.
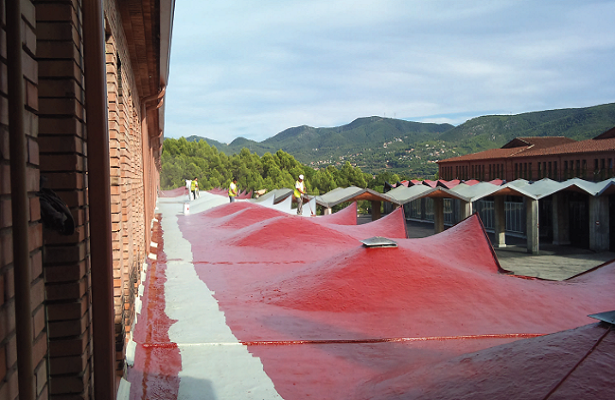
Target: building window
{"points": [[555, 171], [540, 170], [550, 171], [578, 168], [529, 170], [584, 170]]}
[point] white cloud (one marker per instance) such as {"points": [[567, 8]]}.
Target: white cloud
{"points": [[253, 69]]}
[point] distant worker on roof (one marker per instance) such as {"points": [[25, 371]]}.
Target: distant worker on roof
{"points": [[194, 187], [232, 190], [299, 193]]}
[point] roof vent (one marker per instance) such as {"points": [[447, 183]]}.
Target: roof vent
{"points": [[608, 317], [378, 241]]}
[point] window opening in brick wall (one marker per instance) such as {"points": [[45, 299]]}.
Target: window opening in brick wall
{"points": [[566, 169], [555, 171]]}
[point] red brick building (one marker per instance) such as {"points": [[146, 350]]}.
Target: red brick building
{"points": [[534, 158], [81, 117]]}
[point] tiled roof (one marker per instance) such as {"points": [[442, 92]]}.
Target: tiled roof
{"points": [[584, 146], [487, 154], [540, 146]]}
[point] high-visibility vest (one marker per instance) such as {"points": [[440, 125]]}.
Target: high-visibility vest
{"points": [[297, 192], [232, 190], [193, 185]]}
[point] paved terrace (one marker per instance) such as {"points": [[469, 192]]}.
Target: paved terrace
{"points": [[242, 302]]}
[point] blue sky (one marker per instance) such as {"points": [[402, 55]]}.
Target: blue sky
{"points": [[254, 68]]}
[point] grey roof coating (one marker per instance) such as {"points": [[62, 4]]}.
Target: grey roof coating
{"points": [[402, 195], [278, 195], [342, 195], [591, 188], [608, 188], [544, 187], [485, 189]]}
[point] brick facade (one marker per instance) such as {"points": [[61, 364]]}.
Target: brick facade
{"points": [[127, 192], [55, 124], [536, 158], [8, 340]]}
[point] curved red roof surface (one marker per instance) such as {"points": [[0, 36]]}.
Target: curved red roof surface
{"points": [[432, 318]]}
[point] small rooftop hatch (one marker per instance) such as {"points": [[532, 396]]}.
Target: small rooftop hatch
{"points": [[378, 241]]}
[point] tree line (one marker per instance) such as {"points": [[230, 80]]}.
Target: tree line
{"points": [[183, 160]]}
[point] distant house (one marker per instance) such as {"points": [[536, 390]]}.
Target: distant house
{"points": [[534, 158]]}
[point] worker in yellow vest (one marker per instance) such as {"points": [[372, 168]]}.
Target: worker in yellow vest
{"points": [[232, 190], [299, 192], [194, 186]]}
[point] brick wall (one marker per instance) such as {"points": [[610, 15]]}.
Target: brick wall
{"points": [[57, 156], [63, 155], [8, 346], [126, 189]]}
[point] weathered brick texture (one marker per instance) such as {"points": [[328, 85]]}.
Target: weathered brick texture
{"points": [[63, 165], [57, 156], [126, 187], [8, 340]]}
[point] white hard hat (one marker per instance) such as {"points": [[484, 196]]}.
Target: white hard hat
{"points": [[300, 176]]}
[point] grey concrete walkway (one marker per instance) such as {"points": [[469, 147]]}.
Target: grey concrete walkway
{"points": [[553, 262]]}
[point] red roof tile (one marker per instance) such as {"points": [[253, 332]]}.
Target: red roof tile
{"points": [[540, 146]]}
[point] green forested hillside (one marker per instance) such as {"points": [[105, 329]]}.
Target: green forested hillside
{"points": [[496, 130], [377, 144], [183, 160]]}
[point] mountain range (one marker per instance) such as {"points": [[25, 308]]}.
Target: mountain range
{"points": [[412, 148]]}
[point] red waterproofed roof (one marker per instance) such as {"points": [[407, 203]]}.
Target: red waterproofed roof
{"points": [[573, 364], [314, 305], [448, 184], [328, 318]]}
